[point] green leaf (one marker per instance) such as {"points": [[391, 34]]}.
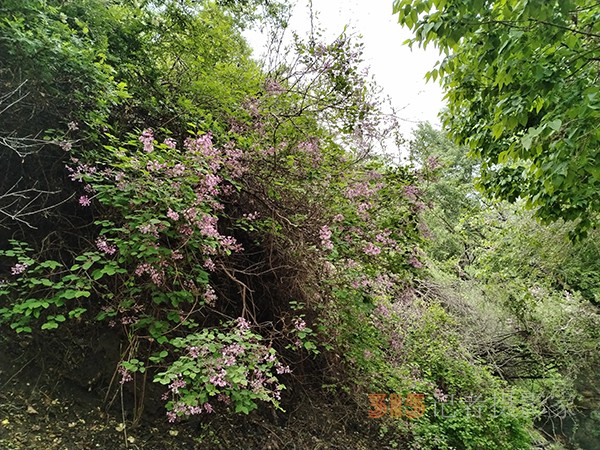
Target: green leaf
{"points": [[49, 325], [555, 124]]}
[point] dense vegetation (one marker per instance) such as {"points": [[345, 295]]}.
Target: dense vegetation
{"points": [[237, 232]]}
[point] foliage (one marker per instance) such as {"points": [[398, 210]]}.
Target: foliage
{"points": [[232, 368], [521, 79], [237, 233], [181, 232], [511, 284]]}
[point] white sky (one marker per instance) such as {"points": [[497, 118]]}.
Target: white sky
{"points": [[397, 68]]}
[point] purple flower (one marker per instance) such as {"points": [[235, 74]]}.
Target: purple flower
{"points": [[433, 163], [194, 352], [413, 261], [210, 297], [242, 324], [209, 265], [125, 375], [371, 249], [18, 268], [170, 142], [147, 138], [281, 369], [273, 87], [299, 324], [177, 170], [411, 192], [177, 384], [84, 200], [105, 247], [325, 235], [208, 226], [234, 349], [172, 214]]}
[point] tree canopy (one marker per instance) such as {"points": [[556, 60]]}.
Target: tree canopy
{"points": [[521, 80]]}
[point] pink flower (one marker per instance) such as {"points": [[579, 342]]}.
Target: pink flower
{"points": [[299, 324], [18, 269], [178, 170], [251, 216], [172, 214], [155, 166], [147, 138], [242, 324], [209, 265], [325, 235], [211, 183], [105, 247], [125, 375], [440, 396], [84, 200], [281, 369], [371, 249], [273, 87], [170, 142], [229, 243], [411, 192], [177, 384], [433, 163], [413, 261], [210, 297]]}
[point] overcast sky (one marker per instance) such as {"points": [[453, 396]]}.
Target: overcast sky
{"points": [[397, 68]]}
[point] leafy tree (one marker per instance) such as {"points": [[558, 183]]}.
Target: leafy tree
{"points": [[521, 79], [518, 283], [450, 195]]}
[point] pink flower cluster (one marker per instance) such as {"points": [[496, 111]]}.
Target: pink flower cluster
{"points": [[176, 171], [170, 142], [411, 192], [362, 189], [147, 138], [182, 409], [299, 324], [18, 268], [209, 265], [251, 216], [311, 148], [371, 250], [125, 375], [155, 166], [80, 171], [177, 384], [413, 261], [273, 87], [210, 297], [157, 276], [325, 235], [84, 200], [172, 215], [105, 247]]}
